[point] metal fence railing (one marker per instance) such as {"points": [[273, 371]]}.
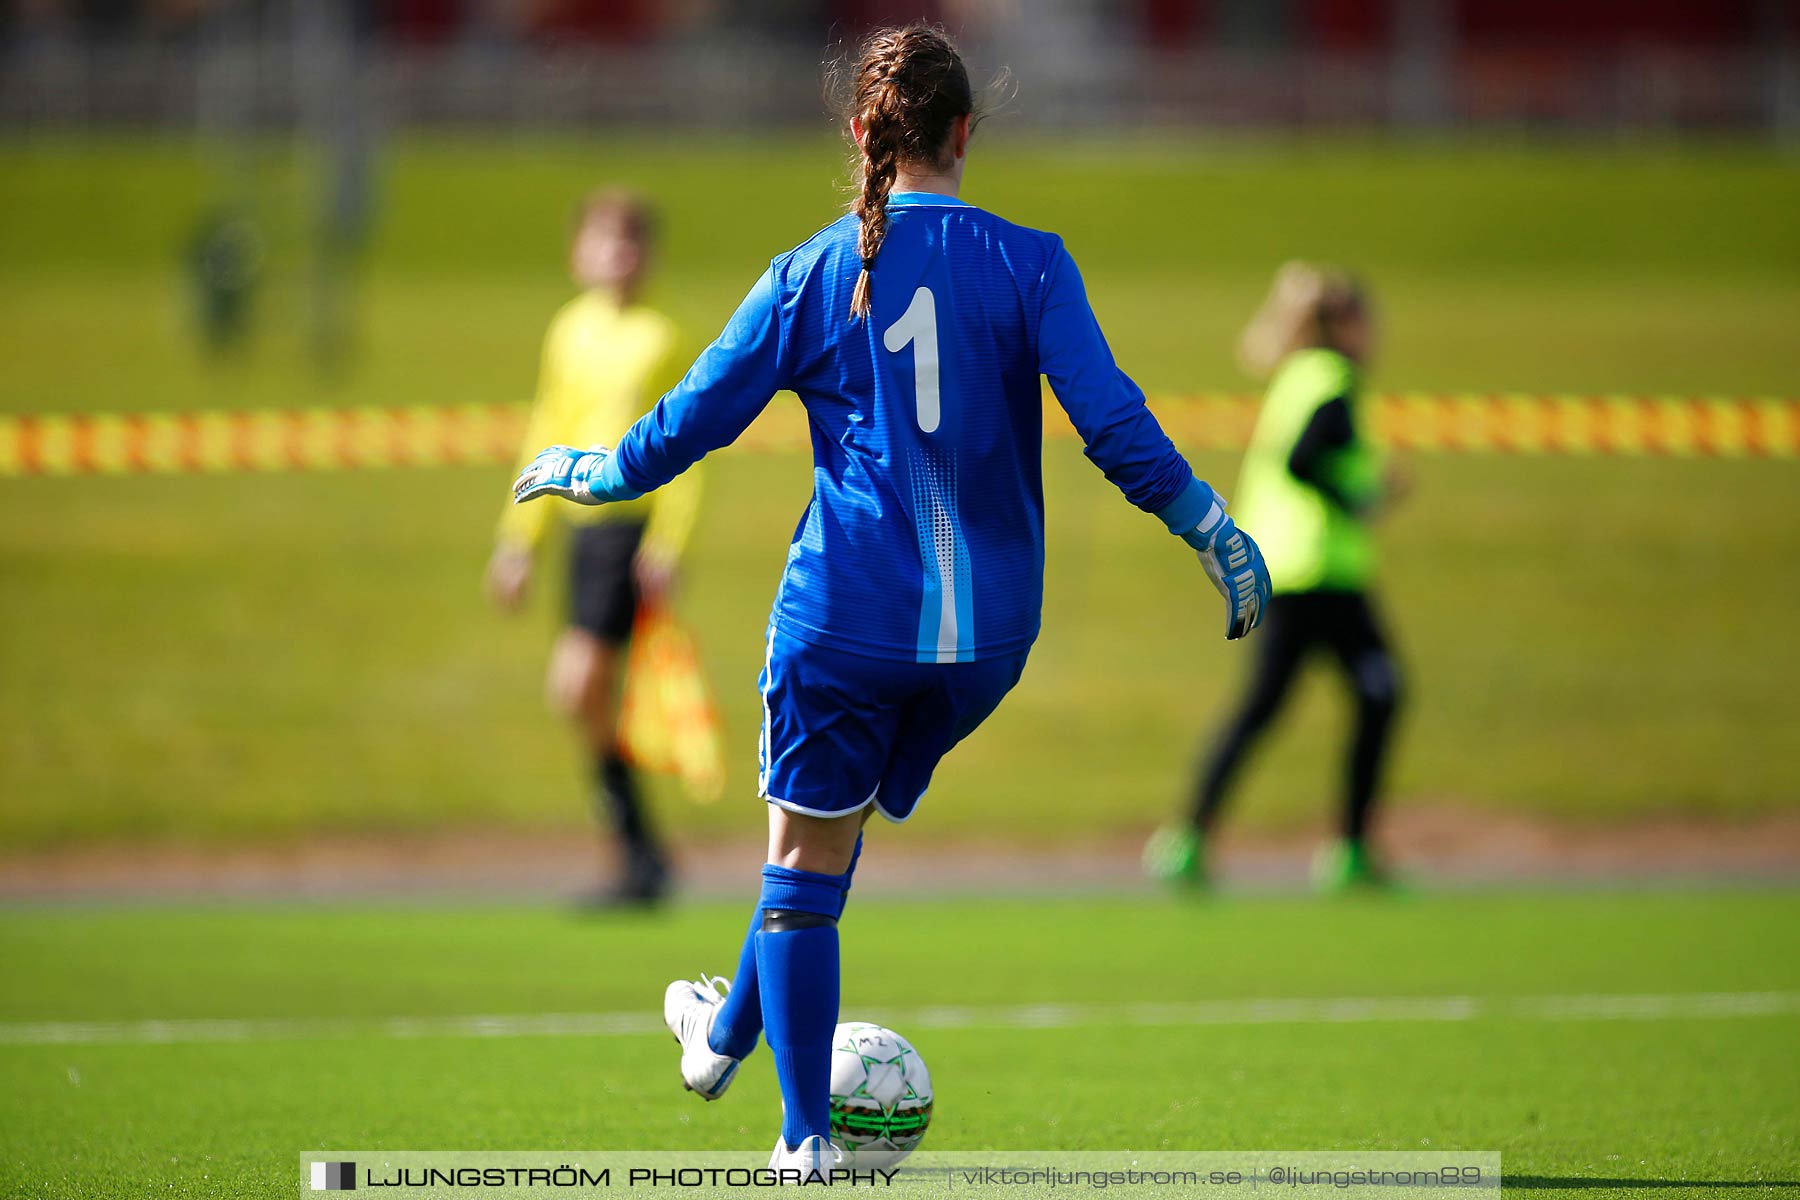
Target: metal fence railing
{"points": [[709, 82]]}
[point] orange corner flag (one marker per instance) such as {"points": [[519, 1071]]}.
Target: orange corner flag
{"points": [[669, 723]]}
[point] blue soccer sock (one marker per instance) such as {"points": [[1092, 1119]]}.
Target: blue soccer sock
{"points": [[739, 1020], [797, 970], [740, 1023]]}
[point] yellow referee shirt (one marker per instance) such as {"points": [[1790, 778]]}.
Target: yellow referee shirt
{"points": [[605, 366]]}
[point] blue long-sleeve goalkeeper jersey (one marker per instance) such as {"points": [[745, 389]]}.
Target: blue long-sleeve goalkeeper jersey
{"points": [[924, 538]]}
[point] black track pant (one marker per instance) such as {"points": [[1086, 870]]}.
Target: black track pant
{"points": [[1343, 623]]}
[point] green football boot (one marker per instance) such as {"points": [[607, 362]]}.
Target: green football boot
{"points": [[1346, 866], [1175, 855]]}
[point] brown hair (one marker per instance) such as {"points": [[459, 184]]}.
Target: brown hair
{"points": [[906, 88], [629, 208], [1304, 307]]}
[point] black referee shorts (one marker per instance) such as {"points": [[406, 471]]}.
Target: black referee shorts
{"points": [[603, 591]]}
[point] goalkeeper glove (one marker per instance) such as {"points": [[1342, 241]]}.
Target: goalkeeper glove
{"points": [[588, 476], [1229, 556]]}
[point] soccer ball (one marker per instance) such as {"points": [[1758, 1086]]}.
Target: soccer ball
{"points": [[880, 1095]]}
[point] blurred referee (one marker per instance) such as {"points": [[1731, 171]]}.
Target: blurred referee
{"points": [[606, 361], [1310, 485]]}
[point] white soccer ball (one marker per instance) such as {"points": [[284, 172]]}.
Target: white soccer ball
{"points": [[880, 1095]]}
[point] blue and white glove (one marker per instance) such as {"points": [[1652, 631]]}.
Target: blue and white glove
{"points": [[588, 476], [1229, 556]]}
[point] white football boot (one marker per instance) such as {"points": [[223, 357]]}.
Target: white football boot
{"points": [[815, 1155], [688, 1011]]}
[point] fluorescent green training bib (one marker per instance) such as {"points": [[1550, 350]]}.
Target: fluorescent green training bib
{"points": [[1309, 543]]}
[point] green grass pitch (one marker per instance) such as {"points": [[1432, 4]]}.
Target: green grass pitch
{"points": [[1686, 1089], [243, 659]]}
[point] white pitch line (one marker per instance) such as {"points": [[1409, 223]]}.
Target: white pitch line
{"points": [[1700, 1006]]}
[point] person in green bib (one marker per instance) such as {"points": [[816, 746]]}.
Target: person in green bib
{"points": [[1310, 485]]}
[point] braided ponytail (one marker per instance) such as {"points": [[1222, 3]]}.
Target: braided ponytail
{"points": [[880, 164], [908, 88]]}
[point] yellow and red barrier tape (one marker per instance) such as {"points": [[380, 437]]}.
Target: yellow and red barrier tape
{"points": [[326, 439], [1473, 423]]}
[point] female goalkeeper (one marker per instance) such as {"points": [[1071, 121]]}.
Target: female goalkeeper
{"points": [[606, 359], [1311, 483], [914, 330]]}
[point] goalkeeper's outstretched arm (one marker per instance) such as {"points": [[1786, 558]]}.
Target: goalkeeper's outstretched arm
{"points": [[1123, 439], [730, 383]]}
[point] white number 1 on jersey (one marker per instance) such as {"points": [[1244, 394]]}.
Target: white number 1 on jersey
{"points": [[918, 325]]}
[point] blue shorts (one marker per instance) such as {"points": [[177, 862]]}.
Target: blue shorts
{"points": [[843, 731]]}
